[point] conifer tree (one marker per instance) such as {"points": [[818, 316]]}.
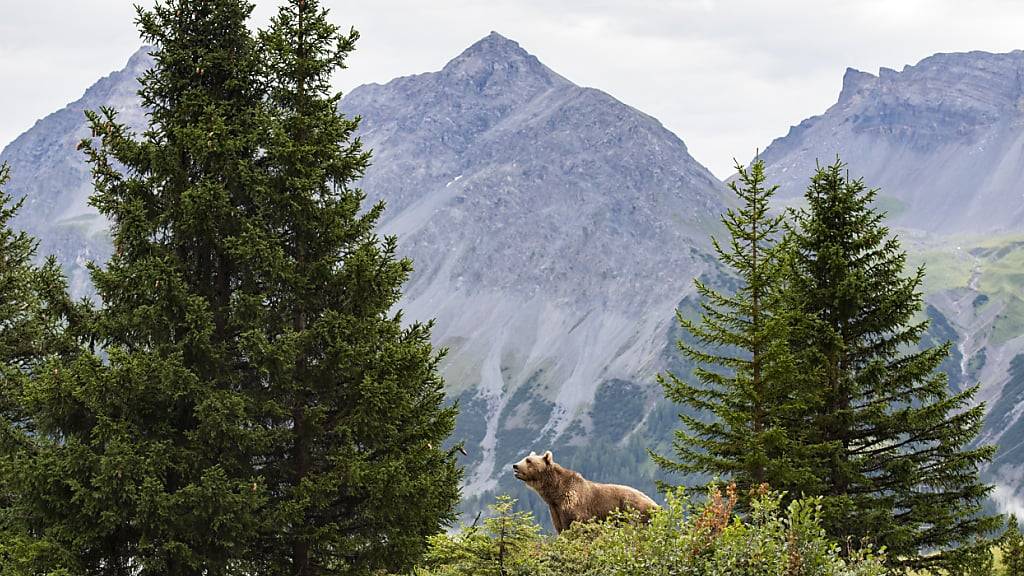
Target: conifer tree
{"points": [[34, 313], [356, 471], [1011, 544], [742, 419], [149, 466], [892, 444], [33, 307], [259, 407]]}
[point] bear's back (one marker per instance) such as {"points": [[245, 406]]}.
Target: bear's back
{"points": [[625, 496], [597, 501]]}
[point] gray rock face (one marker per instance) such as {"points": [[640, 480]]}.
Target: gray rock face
{"points": [[54, 178], [553, 229], [555, 187], [943, 139]]}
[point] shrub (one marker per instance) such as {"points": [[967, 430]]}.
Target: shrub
{"points": [[684, 538], [506, 544], [1012, 547]]}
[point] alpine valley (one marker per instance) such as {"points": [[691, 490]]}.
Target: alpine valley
{"points": [[555, 230]]}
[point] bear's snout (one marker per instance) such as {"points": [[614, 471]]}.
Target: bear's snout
{"points": [[518, 471]]}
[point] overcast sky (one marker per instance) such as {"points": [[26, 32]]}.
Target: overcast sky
{"points": [[726, 76]]}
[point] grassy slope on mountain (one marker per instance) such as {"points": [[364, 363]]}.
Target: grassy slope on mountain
{"points": [[994, 267]]}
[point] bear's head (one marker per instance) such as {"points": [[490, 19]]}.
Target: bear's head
{"points": [[533, 467]]}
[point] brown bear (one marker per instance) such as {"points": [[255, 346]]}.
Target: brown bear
{"points": [[573, 498]]}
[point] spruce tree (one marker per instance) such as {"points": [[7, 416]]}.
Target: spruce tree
{"points": [[353, 400], [34, 315], [257, 405], [33, 308], [892, 445], [1011, 544], [148, 468], [741, 420]]}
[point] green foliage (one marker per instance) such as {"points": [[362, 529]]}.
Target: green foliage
{"points": [[817, 378], [742, 420], [980, 563], [1012, 547], [891, 444], [352, 400], [148, 468], [258, 407], [683, 538], [505, 544], [37, 326]]}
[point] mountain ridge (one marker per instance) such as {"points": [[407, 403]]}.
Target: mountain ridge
{"points": [[923, 135], [553, 229], [55, 180]]}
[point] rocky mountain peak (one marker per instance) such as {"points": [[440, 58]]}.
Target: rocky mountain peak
{"points": [[948, 95], [139, 62], [494, 63], [942, 138], [494, 47], [554, 229], [854, 80]]}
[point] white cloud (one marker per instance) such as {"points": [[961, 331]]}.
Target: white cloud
{"points": [[1008, 493], [727, 76]]}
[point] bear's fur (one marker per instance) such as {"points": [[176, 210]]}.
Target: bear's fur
{"points": [[573, 498]]}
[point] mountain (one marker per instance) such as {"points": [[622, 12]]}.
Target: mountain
{"points": [[553, 229], [943, 139], [944, 142], [54, 178]]}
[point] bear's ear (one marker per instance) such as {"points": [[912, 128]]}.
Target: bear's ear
{"points": [[548, 457]]}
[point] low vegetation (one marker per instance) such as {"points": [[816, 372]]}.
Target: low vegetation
{"points": [[1011, 550], [688, 536]]}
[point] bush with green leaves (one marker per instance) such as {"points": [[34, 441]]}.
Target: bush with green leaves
{"points": [[686, 537], [505, 543], [1012, 547]]}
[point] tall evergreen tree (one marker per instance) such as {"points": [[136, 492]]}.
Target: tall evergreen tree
{"points": [[258, 408], [148, 469], [356, 471], [742, 418], [892, 443], [34, 315]]}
